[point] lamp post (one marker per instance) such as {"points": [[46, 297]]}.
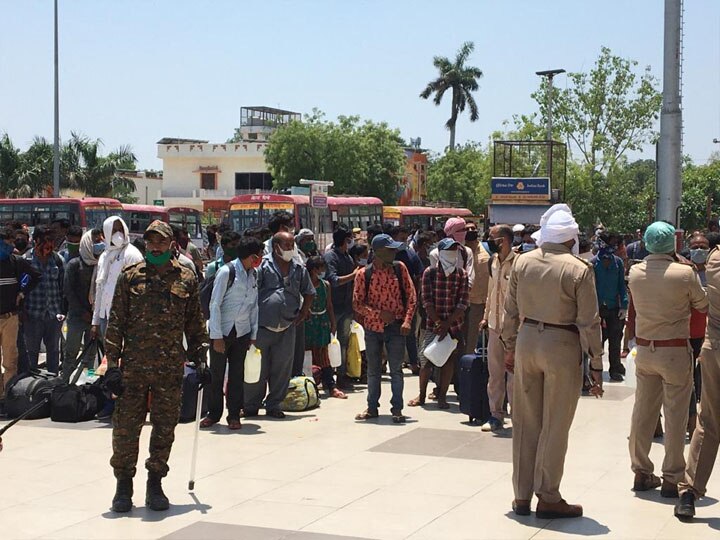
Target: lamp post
{"points": [[549, 74], [56, 141]]}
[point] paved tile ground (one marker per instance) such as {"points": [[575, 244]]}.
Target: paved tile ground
{"points": [[321, 476]]}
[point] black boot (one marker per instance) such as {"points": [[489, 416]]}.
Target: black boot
{"points": [[122, 501], [155, 499], [685, 509]]}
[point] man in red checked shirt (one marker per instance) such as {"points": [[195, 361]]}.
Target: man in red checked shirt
{"points": [[384, 296]]}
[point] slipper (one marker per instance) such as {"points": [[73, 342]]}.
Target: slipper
{"points": [[432, 396], [367, 414], [337, 393], [442, 404], [416, 402], [234, 424], [275, 414], [207, 422]]}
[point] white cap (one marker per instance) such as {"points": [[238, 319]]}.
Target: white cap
{"points": [[518, 228]]}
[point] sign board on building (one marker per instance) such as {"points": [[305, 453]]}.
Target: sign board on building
{"points": [[520, 189], [318, 196], [159, 202]]}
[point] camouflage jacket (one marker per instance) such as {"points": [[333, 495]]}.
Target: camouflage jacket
{"points": [[149, 315]]}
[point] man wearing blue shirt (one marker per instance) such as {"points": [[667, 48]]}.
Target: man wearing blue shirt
{"points": [[612, 298], [233, 325]]}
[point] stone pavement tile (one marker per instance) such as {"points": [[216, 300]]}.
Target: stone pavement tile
{"points": [[705, 525], [291, 516], [220, 531], [140, 524], [332, 494], [427, 442], [613, 392], [30, 521], [385, 513]]}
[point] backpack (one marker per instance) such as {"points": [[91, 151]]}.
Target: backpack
{"points": [[302, 395], [206, 289], [398, 274]]}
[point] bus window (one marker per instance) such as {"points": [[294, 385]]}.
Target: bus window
{"points": [[6, 213], [96, 216]]}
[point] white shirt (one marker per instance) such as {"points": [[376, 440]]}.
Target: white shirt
{"points": [[236, 306]]}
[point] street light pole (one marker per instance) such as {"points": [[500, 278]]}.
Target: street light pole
{"points": [[56, 142], [550, 74]]}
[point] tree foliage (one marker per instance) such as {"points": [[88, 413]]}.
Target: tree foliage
{"points": [[361, 158], [701, 193], [30, 173], [461, 176], [462, 80]]}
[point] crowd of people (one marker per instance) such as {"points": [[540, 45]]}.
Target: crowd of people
{"points": [[523, 296]]}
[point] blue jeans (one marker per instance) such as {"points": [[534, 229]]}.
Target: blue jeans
{"points": [[394, 344], [43, 330]]}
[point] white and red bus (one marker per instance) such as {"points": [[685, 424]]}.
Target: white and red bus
{"points": [[88, 212], [424, 216], [139, 216], [247, 211]]}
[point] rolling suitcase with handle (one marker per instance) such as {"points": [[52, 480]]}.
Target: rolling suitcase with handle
{"points": [[473, 379]]}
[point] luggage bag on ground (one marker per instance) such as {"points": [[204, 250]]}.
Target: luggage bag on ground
{"points": [[188, 403], [302, 395], [71, 403], [473, 379], [25, 390]]}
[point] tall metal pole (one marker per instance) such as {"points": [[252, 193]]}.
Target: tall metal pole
{"points": [[549, 106], [56, 142], [669, 165]]}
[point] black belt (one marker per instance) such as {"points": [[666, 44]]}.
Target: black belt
{"points": [[569, 327]]}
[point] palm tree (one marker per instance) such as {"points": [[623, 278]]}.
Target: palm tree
{"points": [[462, 79], [96, 175]]}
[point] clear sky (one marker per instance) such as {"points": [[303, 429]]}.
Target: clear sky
{"points": [[135, 71]]}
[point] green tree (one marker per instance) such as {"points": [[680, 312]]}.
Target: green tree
{"points": [[361, 158], [607, 112], [462, 176], [701, 193], [462, 80]]}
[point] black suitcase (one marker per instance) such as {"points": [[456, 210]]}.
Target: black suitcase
{"points": [[473, 379], [188, 403], [25, 390]]}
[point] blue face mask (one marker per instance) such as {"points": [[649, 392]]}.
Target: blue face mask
{"points": [[6, 250], [321, 275], [98, 248], [527, 247], [607, 252]]}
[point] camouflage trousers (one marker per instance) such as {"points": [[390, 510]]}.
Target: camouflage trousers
{"points": [[129, 417]]}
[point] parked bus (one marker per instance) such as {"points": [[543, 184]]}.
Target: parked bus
{"points": [[139, 216], [88, 212], [248, 211], [424, 216]]}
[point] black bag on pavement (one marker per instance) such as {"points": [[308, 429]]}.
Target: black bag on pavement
{"points": [[25, 390], [188, 403], [71, 403], [473, 379]]}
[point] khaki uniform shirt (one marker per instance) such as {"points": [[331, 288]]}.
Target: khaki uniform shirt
{"points": [[551, 285], [479, 290], [663, 291], [497, 291], [712, 274]]}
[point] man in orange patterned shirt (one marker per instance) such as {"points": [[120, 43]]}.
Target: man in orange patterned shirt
{"points": [[385, 297]]}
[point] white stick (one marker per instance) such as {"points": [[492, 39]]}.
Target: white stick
{"points": [[193, 463]]}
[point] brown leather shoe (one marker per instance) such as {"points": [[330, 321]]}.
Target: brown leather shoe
{"points": [[558, 510], [645, 482], [234, 424], [669, 490], [521, 507]]}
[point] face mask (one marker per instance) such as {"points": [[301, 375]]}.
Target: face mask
{"points": [[493, 246], [471, 236], [73, 248], [517, 240], [362, 262], [286, 255], [606, 252], [527, 247], [183, 243], [158, 260], [459, 237], [321, 275], [386, 255], [45, 249], [699, 256], [117, 239], [6, 250], [448, 259], [308, 247], [21, 244], [231, 252], [257, 261], [350, 243], [98, 248]]}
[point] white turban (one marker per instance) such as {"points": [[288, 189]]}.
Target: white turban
{"points": [[557, 226]]}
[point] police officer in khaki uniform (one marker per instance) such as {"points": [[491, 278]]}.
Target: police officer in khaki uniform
{"points": [[663, 291], [551, 317], [706, 438]]}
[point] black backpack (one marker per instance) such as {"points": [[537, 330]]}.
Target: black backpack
{"points": [[206, 289], [398, 274]]}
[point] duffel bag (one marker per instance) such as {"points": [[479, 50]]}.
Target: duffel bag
{"points": [[26, 390], [72, 404], [302, 395]]}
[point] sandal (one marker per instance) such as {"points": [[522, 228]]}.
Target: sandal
{"points": [[234, 424], [367, 414], [275, 414], [337, 393], [416, 402], [398, 417], [442, 404], [207, 422], [432, 396]]}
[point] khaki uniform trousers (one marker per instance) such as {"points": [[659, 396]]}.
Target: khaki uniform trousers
{"points": [[706, 438], [497, 381], [8, 349], [547, 388], [664, 378]]}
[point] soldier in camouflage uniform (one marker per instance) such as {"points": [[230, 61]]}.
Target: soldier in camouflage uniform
{"points": [[155, 302]]}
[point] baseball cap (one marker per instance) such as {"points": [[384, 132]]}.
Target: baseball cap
{"points": [[447, 244], [385, 241], [160, 227]]}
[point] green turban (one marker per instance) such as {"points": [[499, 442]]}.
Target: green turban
{"points": [[660, 238]]}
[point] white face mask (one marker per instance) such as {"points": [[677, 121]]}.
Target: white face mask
{"points": [[287, 256], [448, 260], [117, 239]]}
